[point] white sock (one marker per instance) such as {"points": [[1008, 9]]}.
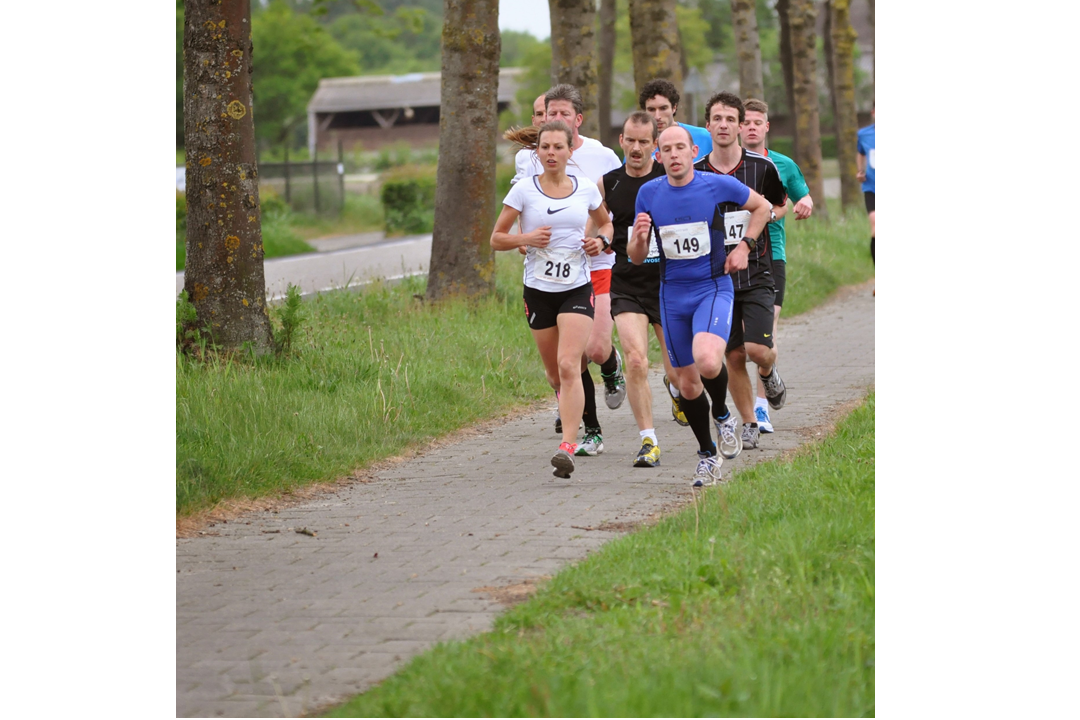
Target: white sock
{"points": [[651, 434], [760, 402], [673, 391]]}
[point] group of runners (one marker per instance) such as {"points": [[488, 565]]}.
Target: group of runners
{"points": [[686, 235]]}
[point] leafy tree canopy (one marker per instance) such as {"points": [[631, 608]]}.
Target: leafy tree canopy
{"points": [[291, 54]]}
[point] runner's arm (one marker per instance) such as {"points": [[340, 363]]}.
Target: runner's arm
{"points": [[637, 245], [759, 208], [804, 207], [598, 218], [503, 239]]}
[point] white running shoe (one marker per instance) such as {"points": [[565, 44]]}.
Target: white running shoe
{"points": [[727, 434], [615, 385], [762, 414], [592, 445], [708, 470]]}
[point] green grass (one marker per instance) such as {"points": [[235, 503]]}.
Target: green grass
{"points": [[823, 256], [361, 213], [758, 601], [372, 373]]}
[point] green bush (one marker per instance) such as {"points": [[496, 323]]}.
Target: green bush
{"points": [[181, 215], [408, 199]]}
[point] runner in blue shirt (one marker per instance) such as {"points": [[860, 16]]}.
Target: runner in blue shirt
{"points": [[696, 293], [660, 99], [867, 164]]}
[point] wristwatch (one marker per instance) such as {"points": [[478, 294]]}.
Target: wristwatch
{"points": [[605, 239], [772, 215], [750, 242]]}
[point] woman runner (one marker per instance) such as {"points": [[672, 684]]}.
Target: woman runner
{"points": [[553, 208]]}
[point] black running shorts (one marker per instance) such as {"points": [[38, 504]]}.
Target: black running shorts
{"points": [[648, 306], [752, 317], [542, 309], [869, 198], [779, 278]]}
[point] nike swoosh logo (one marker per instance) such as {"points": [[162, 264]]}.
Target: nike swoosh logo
{"points": [[552, 212], [766, 334]]}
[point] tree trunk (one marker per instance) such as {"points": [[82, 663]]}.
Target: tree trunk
{"points": [[801, 17], [654, 37], [847, 122], [223, 273], [786, 63], [462, 261], [830, 57], [607, 68], [573, 54], [873, 46], [748, 49]]}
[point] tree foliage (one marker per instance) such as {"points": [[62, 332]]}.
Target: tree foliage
{"points": [[292, 53], [403, 41]]}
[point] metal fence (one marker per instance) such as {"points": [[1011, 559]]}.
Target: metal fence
{"points": [[309, 186]]}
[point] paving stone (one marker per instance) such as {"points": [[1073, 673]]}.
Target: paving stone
{"points": [[304, 621]]}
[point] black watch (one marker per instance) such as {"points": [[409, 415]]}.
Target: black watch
{"points": [[750, 243], [605, 240]]}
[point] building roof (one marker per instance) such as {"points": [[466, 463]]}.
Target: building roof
{"points": [[381, 92]]}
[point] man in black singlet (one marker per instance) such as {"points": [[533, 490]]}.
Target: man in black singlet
{"points": [[752, 318], [635, 289]]}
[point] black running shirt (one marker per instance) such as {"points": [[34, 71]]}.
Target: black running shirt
{"points": [[620, 194], [759, 174]]}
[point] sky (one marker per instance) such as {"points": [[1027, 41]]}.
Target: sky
{"points": [[530, 17]]}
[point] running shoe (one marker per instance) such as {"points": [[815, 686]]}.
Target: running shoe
{"points": [[708, 470], [648, 455], [750, 435], [775, 391], [676, 414], [593, 444], [614, 384], [728, 436], [563, 460], [762, 414]]}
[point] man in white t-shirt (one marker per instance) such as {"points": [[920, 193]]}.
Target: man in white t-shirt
{"points": [[592, 160]]}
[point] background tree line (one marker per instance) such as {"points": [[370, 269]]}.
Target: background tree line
{"points": [[298, 42], [294, 43]]}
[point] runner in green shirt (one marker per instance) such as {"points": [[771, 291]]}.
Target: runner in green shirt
{"points": [[752, 133]]}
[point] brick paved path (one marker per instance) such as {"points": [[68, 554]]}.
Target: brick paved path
{"points": [[270, 622]]}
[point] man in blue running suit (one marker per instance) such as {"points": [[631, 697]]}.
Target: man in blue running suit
{"points": [[680, 211]]}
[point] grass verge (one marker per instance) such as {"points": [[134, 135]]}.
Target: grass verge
{"points": [[372, 373], [376, 371], [756, 601], [360, 213], [823, 256]]}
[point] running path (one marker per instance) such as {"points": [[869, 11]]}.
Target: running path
{"points": [[270, 622]]}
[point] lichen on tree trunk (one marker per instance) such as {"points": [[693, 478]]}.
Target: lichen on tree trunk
{"points": [[573, 55], [843, 79], [223, 272], [748, 49], [801, 18], [654, 37], [462, 262]]}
